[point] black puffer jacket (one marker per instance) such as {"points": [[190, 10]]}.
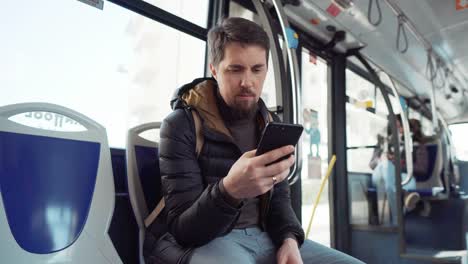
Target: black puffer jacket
{"points": [[196, 210]]}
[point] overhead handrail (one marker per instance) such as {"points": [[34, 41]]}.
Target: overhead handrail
{"points": [[440, 74], [401, 31], [451, 68], [379, 13], [430, 73], [433, 75]]}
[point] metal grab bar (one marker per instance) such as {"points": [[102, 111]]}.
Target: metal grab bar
{"points": [[407, 138], [294, 81], [281, 73]]}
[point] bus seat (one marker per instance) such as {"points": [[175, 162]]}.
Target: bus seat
{"points": [[144, 183], [56, 186], [431, 183]]}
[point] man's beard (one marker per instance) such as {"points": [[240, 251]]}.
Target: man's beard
{"points": [[239, 112]]}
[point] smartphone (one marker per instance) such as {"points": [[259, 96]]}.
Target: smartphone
{"points": [[276, 135]]}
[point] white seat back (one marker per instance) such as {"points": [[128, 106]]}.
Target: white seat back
{"points": [[57, 187], [143, 178]]}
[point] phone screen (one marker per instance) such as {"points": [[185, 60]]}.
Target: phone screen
{"points": [[276, 135]]}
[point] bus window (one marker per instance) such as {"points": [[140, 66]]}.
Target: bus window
{"points": [[315, 147], [459, 141], [269, 92], [362, 130], [115, 66], [366, 118], [360, 89], [193, 11]]}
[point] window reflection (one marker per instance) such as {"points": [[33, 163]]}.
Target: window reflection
{"points": [[315, 146], [366, 128], [459, 132], [62, 224], [193, 11], [114, 66]]}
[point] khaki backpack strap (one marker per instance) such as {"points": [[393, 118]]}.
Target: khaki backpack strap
{"points": [[150, 218], [198, 132], [198, 146], [270, 117]]}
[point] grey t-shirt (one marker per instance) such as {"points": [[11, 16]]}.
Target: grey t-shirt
{"points": [[244, 131]]}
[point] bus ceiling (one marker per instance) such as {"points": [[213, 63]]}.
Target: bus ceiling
{"points": [[420, 44]]}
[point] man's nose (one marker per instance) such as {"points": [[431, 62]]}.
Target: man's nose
{"points": [[247, 80]]}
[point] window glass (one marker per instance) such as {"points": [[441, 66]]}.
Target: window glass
{"points": [[236, 10], [359, 89], [362, 128], [193, 11], [315, 146], [459, 132], [368, 205], [380, 105], [385, 79], [364, 94], [114, 66], [383, 76]]}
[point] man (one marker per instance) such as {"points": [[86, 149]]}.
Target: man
{"points": [[224, 205]]}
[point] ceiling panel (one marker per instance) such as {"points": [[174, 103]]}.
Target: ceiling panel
{"points": [[409, 68], [431, 16], [462, 64], [313, 10], [445, 12], [453, 41], [422, 14]]}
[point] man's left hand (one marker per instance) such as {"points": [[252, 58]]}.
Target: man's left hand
{"points": [[289, 253]]}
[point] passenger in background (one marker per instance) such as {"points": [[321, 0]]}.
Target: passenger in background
{"points": [[226, 205], [420, 155], [382, 163]]}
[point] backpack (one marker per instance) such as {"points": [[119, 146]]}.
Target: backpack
{"points": [[157, 237], [198, 146]]}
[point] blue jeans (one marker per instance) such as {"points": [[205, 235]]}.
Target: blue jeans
{"points": [[383, 177], [251, 245]]}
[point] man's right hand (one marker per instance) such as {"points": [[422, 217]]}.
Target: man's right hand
{"points": [[250, 177]]}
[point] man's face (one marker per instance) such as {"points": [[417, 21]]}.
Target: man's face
{"points": [[240, 75]]}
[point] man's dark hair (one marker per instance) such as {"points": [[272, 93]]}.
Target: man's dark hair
{"points": [[235, 29]]}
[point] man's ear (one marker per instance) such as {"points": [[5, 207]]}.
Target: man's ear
{"points": [[213, 71]]}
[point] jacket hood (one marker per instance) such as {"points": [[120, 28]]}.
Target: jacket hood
{"points": [[200, 95]]}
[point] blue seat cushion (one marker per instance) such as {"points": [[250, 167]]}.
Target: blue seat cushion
{"points": [[147, 160], [47, 186]]}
